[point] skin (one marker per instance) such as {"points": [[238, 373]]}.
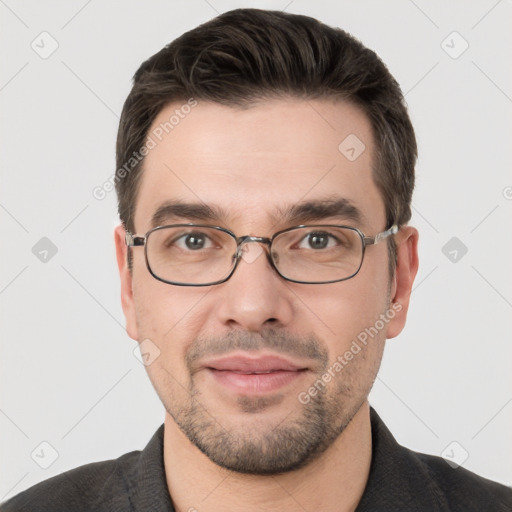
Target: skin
{"points": [[277, 153]]}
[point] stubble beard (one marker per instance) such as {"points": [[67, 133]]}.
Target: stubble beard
{"points": [[303, 434], [289, 446]]}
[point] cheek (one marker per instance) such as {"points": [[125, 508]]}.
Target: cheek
{"points": [[168, 315], [349, 307], [339, 313]]}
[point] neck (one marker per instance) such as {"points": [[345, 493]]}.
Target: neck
{"points": [[333, 482]]}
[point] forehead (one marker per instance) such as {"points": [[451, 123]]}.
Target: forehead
{"points": [[253, 163]]}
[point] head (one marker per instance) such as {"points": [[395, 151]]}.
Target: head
{"points": [[257, 121]]}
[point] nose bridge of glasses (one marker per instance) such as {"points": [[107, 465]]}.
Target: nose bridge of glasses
{"points": [[243, 240]]}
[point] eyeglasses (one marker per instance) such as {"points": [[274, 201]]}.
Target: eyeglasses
{"points": [[203, 255]]}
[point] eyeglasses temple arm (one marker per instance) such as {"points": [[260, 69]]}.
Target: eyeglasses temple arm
{"points": [[133, 240], [372, 240]]}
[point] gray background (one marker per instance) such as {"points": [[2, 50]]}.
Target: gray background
{"points": [[69, 377]]}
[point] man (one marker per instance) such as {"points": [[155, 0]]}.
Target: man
{"points": [[265, 173]]}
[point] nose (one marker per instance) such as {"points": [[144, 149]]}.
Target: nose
{"points": [[255, 296]]}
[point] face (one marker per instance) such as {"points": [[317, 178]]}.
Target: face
{"points": [[263, 374]]}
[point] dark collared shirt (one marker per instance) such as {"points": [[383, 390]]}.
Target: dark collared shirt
{"points": [[399, 480]]}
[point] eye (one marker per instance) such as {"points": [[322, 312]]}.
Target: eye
{"points": [[318, 240], [192, 241]]}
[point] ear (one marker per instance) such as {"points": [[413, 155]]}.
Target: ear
{"points": [[126, 282], [406, 269]]}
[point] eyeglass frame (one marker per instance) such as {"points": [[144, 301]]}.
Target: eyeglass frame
{"points": [[133, 240]]}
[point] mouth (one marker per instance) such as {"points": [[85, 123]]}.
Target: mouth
{"points": [[254, 375]]}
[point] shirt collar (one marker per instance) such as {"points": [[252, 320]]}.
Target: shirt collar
{"points": [[146, 485], [398, 479]]}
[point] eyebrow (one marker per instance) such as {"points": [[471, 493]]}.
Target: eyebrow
{"points": [[189, 211], [320, 209], [305, 211]]}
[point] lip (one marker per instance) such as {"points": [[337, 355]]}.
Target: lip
{"points": [[258, 364], [254, 375]]}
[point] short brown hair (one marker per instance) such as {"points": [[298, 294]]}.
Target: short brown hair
{"points": [[247, 55]]}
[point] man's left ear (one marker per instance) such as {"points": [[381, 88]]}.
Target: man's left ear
{"points": [[406, 268]]}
